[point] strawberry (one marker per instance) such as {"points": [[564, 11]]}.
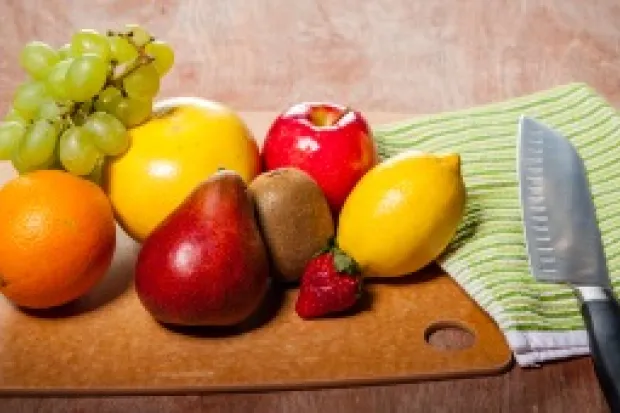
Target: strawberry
{"points": [[331, 283]]}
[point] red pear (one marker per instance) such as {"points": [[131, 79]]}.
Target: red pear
{"points": [[206, 263]]}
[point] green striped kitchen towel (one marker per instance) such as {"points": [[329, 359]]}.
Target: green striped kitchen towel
{"points": [[488, 257]]}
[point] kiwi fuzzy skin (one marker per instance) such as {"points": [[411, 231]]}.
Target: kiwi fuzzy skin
{"points": [[294, 218]]}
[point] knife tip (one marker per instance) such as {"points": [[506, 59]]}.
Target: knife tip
{"points": [[525, 118], [528, 123]]}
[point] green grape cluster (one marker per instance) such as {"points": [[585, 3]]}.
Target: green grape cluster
{"points": [[74, 109]]}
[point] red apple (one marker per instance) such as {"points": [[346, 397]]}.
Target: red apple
{"points": [[330, 142]]}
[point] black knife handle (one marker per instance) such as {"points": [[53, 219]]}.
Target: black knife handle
{"points": [[602, 318]]}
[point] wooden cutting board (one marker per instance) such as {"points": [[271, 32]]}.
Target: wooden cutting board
{"points": [[107, 343]]}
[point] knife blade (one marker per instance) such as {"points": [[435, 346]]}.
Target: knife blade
{"points": [[563, 240]]}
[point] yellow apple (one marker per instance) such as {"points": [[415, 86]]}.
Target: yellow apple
{"points": [[185, 141]]}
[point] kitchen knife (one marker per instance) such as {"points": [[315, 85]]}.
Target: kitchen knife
{"points": [[564, 243]]}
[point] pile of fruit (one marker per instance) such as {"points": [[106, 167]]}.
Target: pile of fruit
{"points": [[216, 215]]}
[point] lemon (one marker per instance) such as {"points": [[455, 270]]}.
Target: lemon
{"points": [[171, 154], [403, 213]]}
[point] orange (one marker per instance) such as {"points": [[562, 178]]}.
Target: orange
{"points": [[57, 238], [187, 141]]}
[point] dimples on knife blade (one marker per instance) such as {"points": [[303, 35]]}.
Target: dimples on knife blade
{"points": [[562, 235]]}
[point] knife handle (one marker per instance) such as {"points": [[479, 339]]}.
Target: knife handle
{"points": [[602, 318]]}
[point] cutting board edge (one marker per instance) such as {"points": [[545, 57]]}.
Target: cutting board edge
{"points": [[499, 369]]}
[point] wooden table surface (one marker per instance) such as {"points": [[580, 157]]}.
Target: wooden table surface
{"points": [[415, 56]]}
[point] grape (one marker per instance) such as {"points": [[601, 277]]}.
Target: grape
{"points": [[37, 58], [85, 77], [49, 109], [55, 81], [28, 98], [23, 167], [132, 112], [109, 134], [163, 55], [11, 134], [20, 165], [14, 116], [77, 152], [64, 52], [138, 34], [106, 100], [96, 175], [142, 83], [92, 42], [39, 142], [121, 50]]}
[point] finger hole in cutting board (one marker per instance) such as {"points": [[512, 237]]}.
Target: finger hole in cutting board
{"points": [[449, 336]]}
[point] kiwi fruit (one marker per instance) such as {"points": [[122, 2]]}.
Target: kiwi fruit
{"points": [[294, 218]]}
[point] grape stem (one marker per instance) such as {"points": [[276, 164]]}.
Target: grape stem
{"points": [[142, 60], [76, 113]]}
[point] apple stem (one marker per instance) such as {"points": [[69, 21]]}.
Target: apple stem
{"points": [[345, 112], [326, 118]]}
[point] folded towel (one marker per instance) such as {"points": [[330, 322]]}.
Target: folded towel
{"points": [[487, 258]]}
